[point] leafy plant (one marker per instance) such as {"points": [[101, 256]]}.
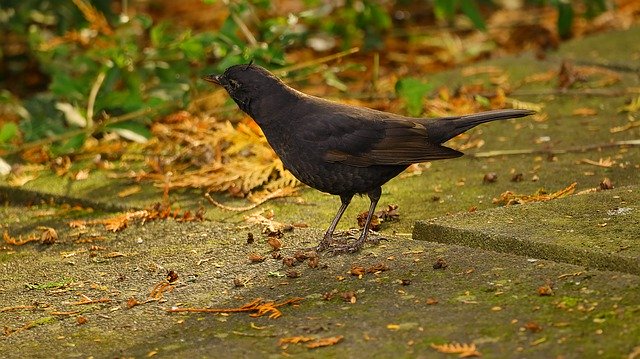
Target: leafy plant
{"points": [[413, 91], [447, 9]]}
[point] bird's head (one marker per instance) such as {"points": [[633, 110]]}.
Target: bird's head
{"points": [[245, 83]]}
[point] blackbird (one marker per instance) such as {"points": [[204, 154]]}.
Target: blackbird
{"points": [[341, 149]]}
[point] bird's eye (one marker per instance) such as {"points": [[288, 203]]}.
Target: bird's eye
{"points": [[234, 84]]}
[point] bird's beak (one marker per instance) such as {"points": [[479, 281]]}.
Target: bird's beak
{"points": [[213, 79]]}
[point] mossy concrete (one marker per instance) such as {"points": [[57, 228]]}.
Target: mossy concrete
{"points": [[483, 297], [599, 230]]}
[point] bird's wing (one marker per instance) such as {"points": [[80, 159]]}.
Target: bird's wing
{"points": [[362, 141]]}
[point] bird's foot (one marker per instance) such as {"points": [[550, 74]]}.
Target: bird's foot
{"points": [[337, 239], [341, 246]]}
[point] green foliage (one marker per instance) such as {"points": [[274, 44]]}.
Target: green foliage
{"points": [[361, 23], [447, 9], [95, 72], [413, 91], [128, 65], [7, 132], [565, 18]]}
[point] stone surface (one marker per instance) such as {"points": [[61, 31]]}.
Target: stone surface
{"points": [[599, 230]]}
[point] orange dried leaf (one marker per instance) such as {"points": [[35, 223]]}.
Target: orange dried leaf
{"points": [[258, 307], [129, 191], [78, 223], [545, 290], [294, 340], [256, 258], [357, 271], [49, 235], [324, 342], [584, 111], [606, 163], [464, 350], [509, 198]]}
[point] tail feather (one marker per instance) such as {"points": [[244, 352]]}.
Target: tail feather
{"points": [[446, 128]]}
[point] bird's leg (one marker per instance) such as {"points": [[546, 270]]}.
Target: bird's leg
{"points": [[328, 236], [374, 196]]}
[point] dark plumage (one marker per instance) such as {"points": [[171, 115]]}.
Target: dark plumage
{"points": [[341, 149]]}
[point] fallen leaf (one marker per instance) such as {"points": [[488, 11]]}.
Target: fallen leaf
{"points": [[545, 290], [129, 191], [324, 342], [357, 271], [533, 327], [606, 163], [393, 326], [464, 350], [584, 111], [256, 258], [258, 307], [294, 340], [509, 198]]}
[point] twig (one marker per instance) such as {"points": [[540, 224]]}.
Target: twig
{"points": [[619, 67], [275, 194], [87, 300], [559, 151], [317, 61], [253, 334], [17, 307], [573, 92], [73, 312], [92, 97], [245, 30]]}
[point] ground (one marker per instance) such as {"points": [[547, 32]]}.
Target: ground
{"points": [[552, 279]]}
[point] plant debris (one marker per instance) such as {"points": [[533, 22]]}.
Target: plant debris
{"points": [[256, 258], [384, 215], [258, 307], [509, 198], [312, 342], [156, 212], [440, 263], [463, 350], [490, 177], [545, 290]]}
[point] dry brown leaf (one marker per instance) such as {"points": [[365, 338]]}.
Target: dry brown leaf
{"points": [[324, 342], [219, 157], [509, 198], [545, 290], [294, 340], [49, 235], [357, 271], [129, 191], [20, 180], [464, 350], [606, 163], [270, 227], [258, 307], [626, 127], [256, 258], [541, 77], [19, 241], [584, 111], [378, 267]]}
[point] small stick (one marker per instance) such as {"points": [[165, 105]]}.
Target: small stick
{"points": [[559, 151]]}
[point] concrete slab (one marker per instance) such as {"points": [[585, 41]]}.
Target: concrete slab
{"points": [[493, 300], [600, 230]]}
